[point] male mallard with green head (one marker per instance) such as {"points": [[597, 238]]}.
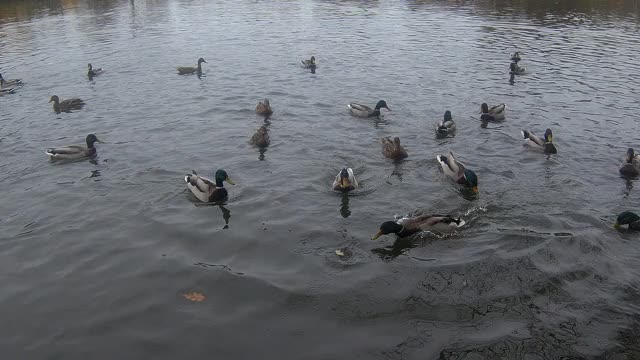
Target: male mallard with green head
{"points": [[495, 113], [545, 143], [628, 218], [186, 70], [458, 172], [410, 226], [631, 164], [66, 105], [206, 190], [74, 152], [345, 180], [446, 126], [360, 110]]}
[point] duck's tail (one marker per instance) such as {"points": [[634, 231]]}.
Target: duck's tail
{"points": [[525, 134]]}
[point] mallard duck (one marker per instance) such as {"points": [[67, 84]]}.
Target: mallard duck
{"points": [[66, 105], [264, 108], [12, 82], [365, 111], [515, 57], [74, 152], [205, 190], [446, 126], [458, 172], [628, 218], [185, 70], [515, 69], [307, 64], [545, 143], [393, 149], [631, 164], [345, 180], [94, 72], [410, 226], [495, 113], [261, 137]]}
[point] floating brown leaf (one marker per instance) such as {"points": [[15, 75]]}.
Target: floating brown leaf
{"points": [[194, 296]]}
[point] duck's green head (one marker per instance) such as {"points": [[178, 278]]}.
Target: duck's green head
{"points": [[201, 60], [471, 179], [313, 60], [484, 108], [222, 176], [387, 227], [89, 66], [447, 116], [626, 218], [382, 104], [630, 155], [548, 136], [92, 139]]}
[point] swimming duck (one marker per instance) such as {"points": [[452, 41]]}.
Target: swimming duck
{"points": [[515, 57], [264, 108], [545, 143], [410, 226], [628, 218], [495, 113], [307, 64], [446, 126], [94, 72], [631, 164], [12, 82], [261, 137], [458, 172], [393, 149], [74, 152], [66, 105], [365, 111], [185, 70], [515, 69], [345, 180], [205, 190]]}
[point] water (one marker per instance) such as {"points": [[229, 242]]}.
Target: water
{"points": [[95, 256]]}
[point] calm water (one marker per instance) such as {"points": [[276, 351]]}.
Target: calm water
{"points": [[95, 256]]}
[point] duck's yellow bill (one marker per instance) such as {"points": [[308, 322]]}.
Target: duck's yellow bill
{"points": [[475, 189], [374, 237], [550, 138], [616, 225], [228, 179], [345, 183], [100, 141]]}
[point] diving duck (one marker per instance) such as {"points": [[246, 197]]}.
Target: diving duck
{"points": [[446, 126], [515, 69], [545, 143], [345, 180], [393, 149], [94, 72], [74, 152], [458, 172], [410, 226], [12, 82], [261, 137], [205, 190], [307, 64], [495, 113], [264, 108], [628, 218], [365, 111], [631, 164], [66, 105], [515, 57], [186, 70]]}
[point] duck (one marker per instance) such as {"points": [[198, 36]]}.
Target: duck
{"points": [[264, 108], [495, 113], [206, 190], [458, 172], [545, 143], [307, 64], [186, 70], [628, 218], [446, 126], [75, 152], [515, 69], [345, 180], [66, 105], [12, 82], [93, 72], [631, 164], [261, 137], [393, 149], [515, 57], [360, 110], [409, 226]]}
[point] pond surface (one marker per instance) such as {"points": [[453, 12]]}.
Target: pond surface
{"points": [[96, 256]]}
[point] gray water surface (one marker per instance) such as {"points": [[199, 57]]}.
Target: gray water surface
{"points": [[95, 256]]}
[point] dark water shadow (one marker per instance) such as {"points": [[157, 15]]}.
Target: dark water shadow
{"points": [[399, 246], [261, 152], [344, 205]]}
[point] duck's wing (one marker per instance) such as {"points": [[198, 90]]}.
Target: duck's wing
{"points": [[71, 102], [455, 165], [200, 186], [530, 138], [352, 178], [66, 150], [359, 109], [498, 109], [186, 69]]}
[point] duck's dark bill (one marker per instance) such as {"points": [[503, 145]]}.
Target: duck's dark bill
{"points": [[377, 235]]}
